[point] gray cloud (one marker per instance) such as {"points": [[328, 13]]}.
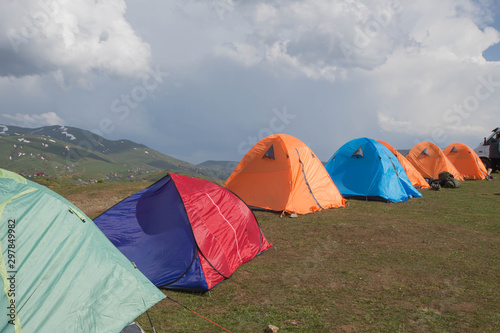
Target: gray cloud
{"points": [[343, 69]]}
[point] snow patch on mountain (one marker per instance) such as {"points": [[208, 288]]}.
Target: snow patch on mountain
{"points": [[64, 131]]}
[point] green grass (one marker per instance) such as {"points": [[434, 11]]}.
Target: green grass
{"points": [[427, 265]]}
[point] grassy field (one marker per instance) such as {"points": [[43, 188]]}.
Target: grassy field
{"points": [[427, 265]]}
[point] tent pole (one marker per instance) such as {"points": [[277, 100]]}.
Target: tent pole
{"points": [[150, 321]]}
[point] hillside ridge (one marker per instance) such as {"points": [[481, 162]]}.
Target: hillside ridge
{"points": [[76, 154]]}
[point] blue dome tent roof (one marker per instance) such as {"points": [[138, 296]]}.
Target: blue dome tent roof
{"points": [[364, 168]]}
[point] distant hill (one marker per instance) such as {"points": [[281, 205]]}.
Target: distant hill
{"points": [[220, 169], [74, 154]]}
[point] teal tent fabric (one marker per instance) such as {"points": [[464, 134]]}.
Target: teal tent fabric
{"points": [[58, 271]]}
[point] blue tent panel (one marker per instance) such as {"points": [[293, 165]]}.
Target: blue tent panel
{"points": [[365, 168], [148, 232]]}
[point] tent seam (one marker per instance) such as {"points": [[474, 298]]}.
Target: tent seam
{"points": [[307, 182]]}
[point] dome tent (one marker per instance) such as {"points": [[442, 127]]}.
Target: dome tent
{"points": [[281, 173], [64, 274], [184, 233], [430, 161], [466, 161], [415, 177], [364, 168]]}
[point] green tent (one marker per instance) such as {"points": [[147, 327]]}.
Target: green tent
{"points": [[58, 271]]}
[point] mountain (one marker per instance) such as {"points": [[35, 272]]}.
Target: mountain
{"points": [[79, 155], [220, 169]]}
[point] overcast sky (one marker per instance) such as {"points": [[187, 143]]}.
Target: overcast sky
{"points": [[204, 80]]}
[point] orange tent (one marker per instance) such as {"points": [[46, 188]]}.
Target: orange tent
{"points": [[466, 161], [281, 173], [430, 161], [415, 177]]}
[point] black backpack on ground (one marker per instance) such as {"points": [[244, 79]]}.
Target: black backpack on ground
{"points": [[447, 180], [452, 183], [445, 175]]}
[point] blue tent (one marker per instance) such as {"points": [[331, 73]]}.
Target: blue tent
{"points": [[364, 168], [184, 233]]}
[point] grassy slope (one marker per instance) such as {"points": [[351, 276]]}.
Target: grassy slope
{"points": [[80, 161], [121, 157], [427, 265]]}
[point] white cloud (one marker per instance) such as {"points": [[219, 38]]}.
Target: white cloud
{"points": [[73, 38], [33, 120], [322, 39], [451, 30], [435, 98], [346, 68], [319, 39]]}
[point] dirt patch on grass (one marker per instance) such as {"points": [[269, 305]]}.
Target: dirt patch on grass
{"points": [[95, 199]]}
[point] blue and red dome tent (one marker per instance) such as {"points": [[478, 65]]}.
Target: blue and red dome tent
{"points": [[184, 233]]}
